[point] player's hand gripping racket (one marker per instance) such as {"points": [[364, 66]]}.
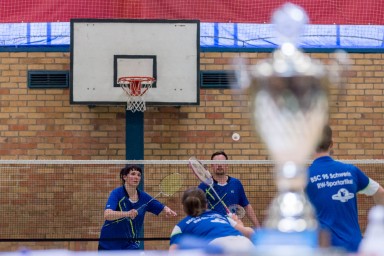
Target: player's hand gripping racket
{"points": [[205, 177], [168, 186]]}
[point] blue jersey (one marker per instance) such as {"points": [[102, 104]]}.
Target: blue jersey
{"points": [[120, 234], [332, 188], [207, 226], [231, 193]]}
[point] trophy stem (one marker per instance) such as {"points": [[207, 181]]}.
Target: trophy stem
{"points": [[290, 210], [291, 226], [290, 177]]}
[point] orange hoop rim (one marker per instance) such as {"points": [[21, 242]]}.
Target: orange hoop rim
{"points": [[129, 79], [136, 86]]}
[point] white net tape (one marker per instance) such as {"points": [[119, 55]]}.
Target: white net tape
{"points": [[135, 89]]}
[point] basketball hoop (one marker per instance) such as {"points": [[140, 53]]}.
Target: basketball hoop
{"points": [[135, 87]]}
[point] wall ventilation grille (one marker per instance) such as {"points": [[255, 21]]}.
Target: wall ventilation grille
{"points": [[218, 79], [48, 79]]}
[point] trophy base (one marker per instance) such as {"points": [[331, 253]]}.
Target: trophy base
{"points": [[274, 242]]}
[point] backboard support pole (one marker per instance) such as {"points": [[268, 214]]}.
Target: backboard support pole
{"points": [[134, 142]]}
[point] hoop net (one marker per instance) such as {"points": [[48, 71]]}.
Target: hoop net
{"points": [[135, 87]]}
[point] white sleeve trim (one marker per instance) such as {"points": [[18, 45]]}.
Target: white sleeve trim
{"points": [[371, 189], [176, 230], [232, 221]]}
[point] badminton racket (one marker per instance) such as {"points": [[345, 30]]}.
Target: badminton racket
{"points": [[238, 210], [205, 176], [168, 186]]}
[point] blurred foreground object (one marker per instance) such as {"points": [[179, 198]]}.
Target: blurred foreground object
{"points": [[372, 243], [290, 108]]}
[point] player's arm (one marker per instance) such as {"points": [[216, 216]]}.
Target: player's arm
{"points": [[378, 197], [243, 201], [113, 209], [375, 190], [239, 225], [158, 208], [110, 214], [168, 212], [252, 216]]}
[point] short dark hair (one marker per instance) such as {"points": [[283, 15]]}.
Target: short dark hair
{"points": [[194, 201], [217, 153], [326, 140], [127, 169]]}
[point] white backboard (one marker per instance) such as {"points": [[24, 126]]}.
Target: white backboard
{"points": [[102, 51]]}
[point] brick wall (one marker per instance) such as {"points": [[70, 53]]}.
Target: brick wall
{"points": [[41, 124], [356, 115]]}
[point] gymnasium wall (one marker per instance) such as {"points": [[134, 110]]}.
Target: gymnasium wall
{"points": [[41, 124]]}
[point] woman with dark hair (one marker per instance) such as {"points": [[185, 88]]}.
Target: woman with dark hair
{"points": [[123, 222], [210, 226]]}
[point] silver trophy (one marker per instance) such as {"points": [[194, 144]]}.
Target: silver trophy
{"points": [[290, 106]]}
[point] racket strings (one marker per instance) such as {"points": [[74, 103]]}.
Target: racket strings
{"points": [[168, 187], [171, 184], [200, 171], [238, 210]]}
